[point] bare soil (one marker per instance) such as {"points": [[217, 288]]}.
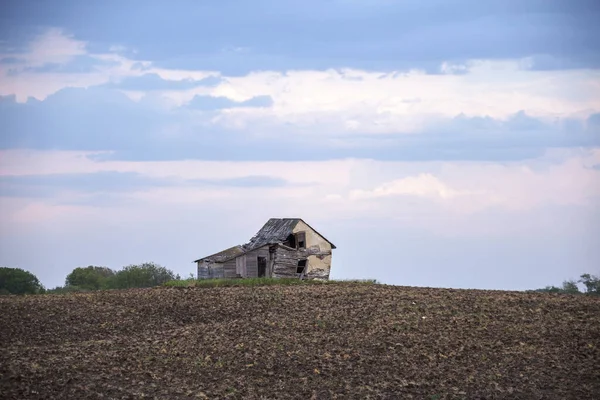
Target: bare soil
{"points": [[342, 341]]}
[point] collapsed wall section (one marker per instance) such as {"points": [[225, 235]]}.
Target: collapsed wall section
{"points": [[311, 263]]}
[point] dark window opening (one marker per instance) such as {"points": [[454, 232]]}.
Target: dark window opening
{"points": [[301, 266], [291, 241], [301, 239]]}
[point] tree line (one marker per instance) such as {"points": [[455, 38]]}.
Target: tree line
{"points": [[83, 279], [591, 283]]}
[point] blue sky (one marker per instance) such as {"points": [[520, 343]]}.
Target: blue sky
{"points": [[437, 143]]}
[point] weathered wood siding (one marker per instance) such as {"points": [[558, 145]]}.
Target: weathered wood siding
{"points": [[240, 266], [252, 264], [229, 269], [210, 270], [285, 262]]}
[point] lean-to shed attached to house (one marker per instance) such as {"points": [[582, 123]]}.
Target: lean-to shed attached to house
{"points": [[282, 248]]}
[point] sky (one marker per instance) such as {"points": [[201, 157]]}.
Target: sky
{"points": [[436, 143]]}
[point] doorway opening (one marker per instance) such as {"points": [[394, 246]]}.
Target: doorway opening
{"points": [[262, 267]]}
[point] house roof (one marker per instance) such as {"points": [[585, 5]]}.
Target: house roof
{"points": [[224, 255], [275, 230]]}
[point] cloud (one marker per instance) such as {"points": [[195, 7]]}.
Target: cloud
{"points": [[51, 185], [101, 119], [153, 81], [557, 35], [79, 118], [110, 187], [32, 71], [54, 47], [422, 185], [11, 60], [567, 178], [212, 103], [79, 64], [425, 34], [244, 181]]}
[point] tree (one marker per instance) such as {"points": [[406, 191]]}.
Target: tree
{"points": [[570, 287], [90, 278], [591, 283], [18, 281], [143, 275]]}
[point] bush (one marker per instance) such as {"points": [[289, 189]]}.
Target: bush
{"points": [[90, 278], [18, 281], [139, 276], [591, 283]]}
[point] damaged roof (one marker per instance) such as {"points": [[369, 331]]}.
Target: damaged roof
{"points": [[224, 255], [275, 231]]}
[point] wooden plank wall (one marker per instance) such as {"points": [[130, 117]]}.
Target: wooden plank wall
{"points": [[240, 266], [229, 269], [263, 252], [216, 271], [210, 270], [252, 264], [202, 271], [285, 263]]}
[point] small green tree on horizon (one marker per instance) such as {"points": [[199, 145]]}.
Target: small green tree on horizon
{"points": [[591, 283], [89, 278], [144, 275], [19, 281]]}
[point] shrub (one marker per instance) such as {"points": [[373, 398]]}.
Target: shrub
{"points": [[19, 281], [139, 276], [91, 278]]}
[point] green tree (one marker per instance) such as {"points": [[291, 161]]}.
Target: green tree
{"points": [[90, 278], [591, 283], [570, 287], [19, 281], [143, 275]]}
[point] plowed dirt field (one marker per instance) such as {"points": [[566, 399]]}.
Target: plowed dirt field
{"points": [[342, 341]]}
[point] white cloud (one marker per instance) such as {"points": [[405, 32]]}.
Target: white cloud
{"points": [[343, 100], [352, 186], [54, 46], [422, 185]]}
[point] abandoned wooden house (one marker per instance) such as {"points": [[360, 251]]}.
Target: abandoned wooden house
{"points": [[282, 248]]}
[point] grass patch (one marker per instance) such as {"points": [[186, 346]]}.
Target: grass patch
{"points": [[208, 283]]}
